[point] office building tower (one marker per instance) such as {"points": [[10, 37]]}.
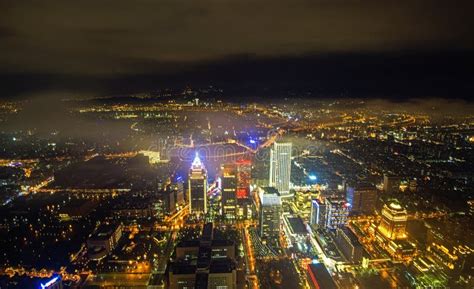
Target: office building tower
{"points": [[349, 244], [229, 191], [391, 184], [318, 213], [178, 191], [197, 187], [337, 211], [280, 167], [207, 263], [362, 198], [269, 219], [164, 203], [394, 221], [244, 171]]}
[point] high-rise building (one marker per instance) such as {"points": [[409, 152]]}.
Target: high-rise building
{"points": [[197, 187], [229, 191], [270, 217], [207, 263], [244, 170], [362, 198], [394, 221], [178, 191], [164, 203], [349, 244], [302, 202], [337, 211], [318, 213], [280, 167], [391, 184]]}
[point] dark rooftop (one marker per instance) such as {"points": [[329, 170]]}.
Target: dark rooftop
{"points": [[188, 243], [352, 237], [222, 243], [204, 257], [320, 276], [222, 266], [297, 225], [104, 231], [183, 268], [207, 232], [201, 281]]}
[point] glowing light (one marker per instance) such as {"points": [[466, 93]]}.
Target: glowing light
{"points": [[312, 177], [314, 261], [49, 283], [395, 206], [253, 141], [197, 161]]}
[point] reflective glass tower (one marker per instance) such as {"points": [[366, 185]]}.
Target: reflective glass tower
{"points": [[280, 167]]}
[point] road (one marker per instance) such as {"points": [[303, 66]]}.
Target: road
{"points": [[249, 259]]}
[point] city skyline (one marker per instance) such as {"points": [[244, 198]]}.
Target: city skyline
{"points": [[237, 144]]}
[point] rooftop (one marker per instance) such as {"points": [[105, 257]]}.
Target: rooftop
{"points": [[270, 200], [104, 231], [297, 225], [222, 266], [352, 237], [320, 276]]}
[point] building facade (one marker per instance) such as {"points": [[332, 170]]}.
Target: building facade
{"points": [[337, 211], [391, 184], [229, 191], [269, 217], [394, 221], [349, 244], [280, 167], [318, 213], [362, 198], [197, 187]]}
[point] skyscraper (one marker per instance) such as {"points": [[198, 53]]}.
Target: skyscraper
{"points": [[362, 198], [197, 187], [337, 210], [244, 171], [269, 219], [318, 213], [229, 191], [280, 167]]}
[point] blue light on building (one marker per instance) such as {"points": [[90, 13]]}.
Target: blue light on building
{"points": [[52, 283]]}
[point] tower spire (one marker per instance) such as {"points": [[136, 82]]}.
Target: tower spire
{"points": [[197, 161]]}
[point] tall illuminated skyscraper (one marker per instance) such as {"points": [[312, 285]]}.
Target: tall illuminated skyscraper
{"points": [[280, 167], [229, 191], [197, 187]]}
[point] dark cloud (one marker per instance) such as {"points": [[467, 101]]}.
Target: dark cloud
{"points": [[114, 37]]}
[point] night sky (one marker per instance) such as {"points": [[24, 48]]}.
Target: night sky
{"points": [[363, 48]]}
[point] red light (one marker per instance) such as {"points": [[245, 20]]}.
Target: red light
{"points": [[242, 193]]}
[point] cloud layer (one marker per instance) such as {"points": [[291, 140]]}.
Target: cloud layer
{"points": [[125, 37]]}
